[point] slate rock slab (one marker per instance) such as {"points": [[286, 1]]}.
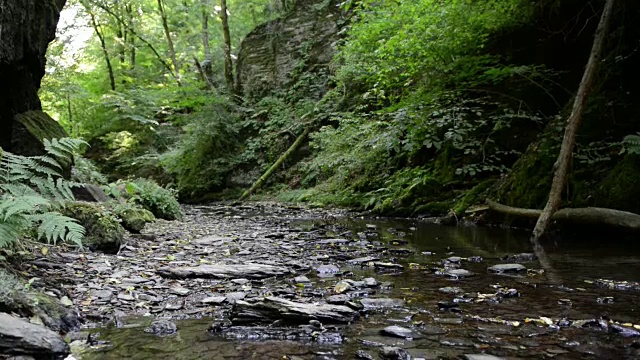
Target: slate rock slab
{"points": [[19, 337], [507, 268], [250, 271], [269, 309]]}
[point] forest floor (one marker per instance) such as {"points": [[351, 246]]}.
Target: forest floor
{"points": [[267, 271]]}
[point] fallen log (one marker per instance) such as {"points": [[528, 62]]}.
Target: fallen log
{"points": [[588, 215]]}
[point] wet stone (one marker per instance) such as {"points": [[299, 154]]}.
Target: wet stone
{"points": [[394, 353], [213, 300], [269, 309], [302, 280], [450, 290], [481, 357], [338, 299], [327, 270], [342, 286], [523, 257], [361, 354], [400, 332], [458, 273], [380, 303], [507, 268], [370, 282], [162, 328], [362, 260]]}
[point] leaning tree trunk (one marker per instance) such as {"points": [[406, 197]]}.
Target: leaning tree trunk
{"points": [[561, 166], [228, 62], [277, 164], [26, 28]]}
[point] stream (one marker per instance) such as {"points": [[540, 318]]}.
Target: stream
{"points": [[418, 290]]}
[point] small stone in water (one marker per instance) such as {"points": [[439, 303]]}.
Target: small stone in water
{"points": [[162, 328], [370, 282], [361, 354], [507, 268], [605, 300], [450, 290], [394, 353], [399, 331]]}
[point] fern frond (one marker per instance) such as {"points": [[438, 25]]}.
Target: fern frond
{"points": [[631, 143], [22, 205], [55, 226]]}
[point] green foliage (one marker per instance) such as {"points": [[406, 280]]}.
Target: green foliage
{"points": [[147, 193], [206, 152], [33, 192], [84, 171], [396, 46]]}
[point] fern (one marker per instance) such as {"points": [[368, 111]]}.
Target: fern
{"points": [[631, 144], [32, 189]]}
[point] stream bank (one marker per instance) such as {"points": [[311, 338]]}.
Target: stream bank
{"points": [[266, 280]]}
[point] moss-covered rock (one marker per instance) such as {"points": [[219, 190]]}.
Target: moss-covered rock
{"points": [[30, 130], [103, 229], [133, 218], [620, 189], [472, 196], [16, 297]]}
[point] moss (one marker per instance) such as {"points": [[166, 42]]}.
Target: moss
{"points": [[472, 196], [434, 208], [133, 218], [103, 229], [620, 189]]}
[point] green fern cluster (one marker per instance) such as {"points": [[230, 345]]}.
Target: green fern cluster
{"points": [[32, 189], [631, 144]]}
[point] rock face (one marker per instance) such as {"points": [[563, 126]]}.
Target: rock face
{"points": [[274, 54], [27, 27], [18, 337]]}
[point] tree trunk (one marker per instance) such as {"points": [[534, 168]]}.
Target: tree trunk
{"points": [[27, 28], [277, 164], [103, 46], [207, 66], [561, 166], [172, 50], [131, 36], [228, 61]]}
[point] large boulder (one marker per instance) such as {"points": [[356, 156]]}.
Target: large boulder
{"points": [[28, 26], [19, 337], [275, 53]]}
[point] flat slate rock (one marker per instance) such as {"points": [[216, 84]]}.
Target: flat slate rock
{"points": [[380, 303], [507, 268], [270, 308], [394, 353], [362, 260], [253, 271], [481, 357], [211, 240], [19, 337], [338, 299], [213, 300], [400, 332]]}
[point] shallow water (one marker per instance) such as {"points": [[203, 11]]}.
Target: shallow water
{"points": [[475, 329]]}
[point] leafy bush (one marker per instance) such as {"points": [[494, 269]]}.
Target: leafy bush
{"points": [[147, 193], [33, 192], [205, 154]]}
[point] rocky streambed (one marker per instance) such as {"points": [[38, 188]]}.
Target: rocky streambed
{"points": [[273, 281]]}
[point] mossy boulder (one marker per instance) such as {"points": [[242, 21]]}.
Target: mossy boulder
{"points": [[103, 229], [133, 218], [620, 189]]}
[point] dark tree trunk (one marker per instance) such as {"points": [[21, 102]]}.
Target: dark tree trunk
{"points": [[228, 62], [26, 28], [131, 36]]}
